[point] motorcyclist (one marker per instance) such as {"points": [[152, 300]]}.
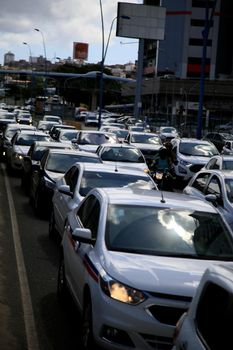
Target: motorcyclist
{"points": [[163, 164]]}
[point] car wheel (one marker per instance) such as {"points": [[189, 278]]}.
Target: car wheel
{"points": [[87, 330], [61, 282], [52, 230]]}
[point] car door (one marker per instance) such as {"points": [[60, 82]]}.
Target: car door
{"points": [[77, 256], [62, 203]]}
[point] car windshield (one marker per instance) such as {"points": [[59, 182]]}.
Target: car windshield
{"points": [[7, 116], [227, 136], [102, 179], [95, 139], [168, 130], [120, 133], [144, 138], [168, 232], [27, 140], [121, 154], [197, 149], [69, 135], [60, 163]]}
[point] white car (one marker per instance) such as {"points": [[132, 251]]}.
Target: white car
{"points": [[52, 118], [149, 143], [122, 155], [167, 133], [89, 140], [208, 322], [133, 262], [81, 178], [191, 156], [19, 147]]}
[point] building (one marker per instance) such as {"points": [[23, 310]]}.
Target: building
{"points": [[172, 67], [9, 58]]}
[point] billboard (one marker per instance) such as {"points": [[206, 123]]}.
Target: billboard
{"points": [[80, 51], [140, 21]]}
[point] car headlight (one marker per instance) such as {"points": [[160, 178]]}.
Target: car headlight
{"points": [[184, 162], [18, 156], [121, 292]]}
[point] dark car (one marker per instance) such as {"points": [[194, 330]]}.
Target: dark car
{"points": [[219, 139], [52, 166], [33, 157]]}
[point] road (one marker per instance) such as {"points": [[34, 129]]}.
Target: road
{"points": [[30, 316]]}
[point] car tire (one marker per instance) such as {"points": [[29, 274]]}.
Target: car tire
{"points": [[88, 342], [62, 290], [52, 230]]}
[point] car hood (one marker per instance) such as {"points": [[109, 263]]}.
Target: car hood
{"points": [[195, 159], [22, 149], [156, 274], [140, 166], [54, 175]]}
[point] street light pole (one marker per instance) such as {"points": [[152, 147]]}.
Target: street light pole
{"points": [[45, 56], [30, 53], [45, 64], [103, 56]]}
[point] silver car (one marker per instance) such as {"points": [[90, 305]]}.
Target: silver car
{"points": [[215, 186], [133, 262]]}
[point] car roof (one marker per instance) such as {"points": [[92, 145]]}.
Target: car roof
{"points": [[31, 132], [111, 168], [73, 151], [117, 145], [143, 133], [51, 144], [154, 198]]}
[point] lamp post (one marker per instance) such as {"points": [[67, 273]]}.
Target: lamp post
{"points": [[30, 62], [30, 53], [103, 56], [45, 63], [45, 56]]}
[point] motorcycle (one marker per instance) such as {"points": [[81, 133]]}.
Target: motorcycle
{"points": [[164, 179]]}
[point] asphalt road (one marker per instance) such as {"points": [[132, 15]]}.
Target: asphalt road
{"points": [[30, 315]]}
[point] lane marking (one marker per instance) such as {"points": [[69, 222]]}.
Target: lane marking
{"points": [[29, 321]]}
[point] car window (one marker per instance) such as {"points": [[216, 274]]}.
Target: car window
{"points": [[229, 189], [201, 181], [211, 164], [89, 213], [214, 316], [227, 165], [214, 187], [167, 232], [92, 179]]}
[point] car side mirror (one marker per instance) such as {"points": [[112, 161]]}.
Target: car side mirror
{"points": [[65, 189], [212, 198], [83, 235]]}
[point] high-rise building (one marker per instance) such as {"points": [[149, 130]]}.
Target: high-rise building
{"points": [[181, 52], [9, 57]]}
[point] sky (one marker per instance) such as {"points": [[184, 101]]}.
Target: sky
{"points": [[62, 22]]}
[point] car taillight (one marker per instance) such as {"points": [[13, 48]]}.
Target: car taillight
{"points": [[178, 327]]}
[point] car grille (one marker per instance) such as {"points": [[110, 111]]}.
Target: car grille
{"points": [[196, 167], [157, 342], [166, 314]]}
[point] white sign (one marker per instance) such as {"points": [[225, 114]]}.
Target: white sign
{"points": [[140, 21]]}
